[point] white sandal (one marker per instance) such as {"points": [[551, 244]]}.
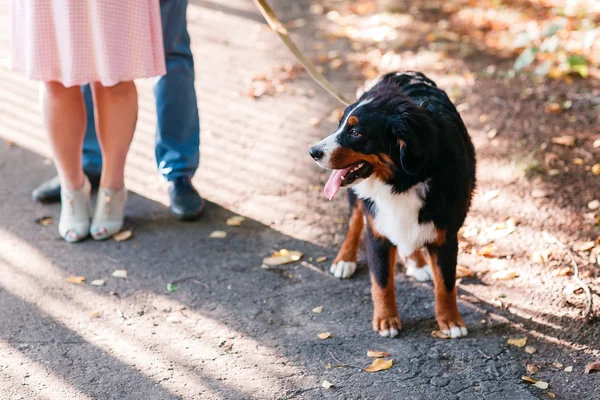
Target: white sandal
{"points": [[75, 213], [109, 214]]}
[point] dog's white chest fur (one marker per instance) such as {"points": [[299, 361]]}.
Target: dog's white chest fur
{"points": [[397, 215]]}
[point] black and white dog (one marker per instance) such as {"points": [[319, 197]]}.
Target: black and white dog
{"points": [[405, 153]]}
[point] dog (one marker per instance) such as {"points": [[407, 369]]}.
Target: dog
{"points": [[406, 155]]}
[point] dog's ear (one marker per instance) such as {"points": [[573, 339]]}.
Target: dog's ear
{"points": [[413, 129]]}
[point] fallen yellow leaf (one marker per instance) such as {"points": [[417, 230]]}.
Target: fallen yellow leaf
{"points": [[578, 161], [439, 335], [122, 236], [235, 220], [505, 275], [530, 350], [551, 395], [595, 366], [529, 379], [379, 365], [97, 282], [554, 108], [76, 279], [321, 259], [44, 221], [377, 354], [327, 384], [566, 140], [487, 251], [120, 273], [218, 234], [518, 342], [95, 314], [318, 310], [283, 256], [462, 271], [596, 169], [324, 335]]}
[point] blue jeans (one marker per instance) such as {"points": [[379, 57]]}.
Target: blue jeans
{"points": [[178, 132]]}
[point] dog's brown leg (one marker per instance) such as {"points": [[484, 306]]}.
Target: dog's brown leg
{"points": [[344, 264], [443, 258], [382, 261]]}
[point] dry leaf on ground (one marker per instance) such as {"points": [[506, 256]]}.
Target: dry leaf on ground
{"points": [[490, 195], [530, 350], [95, 314], [218, 234], [283, 256], [123, 235], [554, 108], [596, 169], [541, 385], [235, 220], [439, 335], [321, 259], [565, 271], [505, 275], [487, 251], [551, 395], [518, 342], [462, 271], [379, 365], [326, 384], [528, 379], [585, 246], [318, 310], [324, 335], [532, 368], [97, 282], [556, 364], [44, 221], [595, 366], [569, 369], [120, 273], [76, 279], [566, 140], [540, 256], [377, 354]]}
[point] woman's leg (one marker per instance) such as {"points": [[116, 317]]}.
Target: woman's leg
{"points": [[116, 110], [65, 119]]}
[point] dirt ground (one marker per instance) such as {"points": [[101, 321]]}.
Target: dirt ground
{"points": [[235, 330]]}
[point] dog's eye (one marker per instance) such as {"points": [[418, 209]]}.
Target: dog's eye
{"points": [[354, 133]]}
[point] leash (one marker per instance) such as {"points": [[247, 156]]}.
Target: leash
{"points": [[283, 34]]}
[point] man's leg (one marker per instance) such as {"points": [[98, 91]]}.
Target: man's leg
{"points": [[49, 191], [178, 131]]}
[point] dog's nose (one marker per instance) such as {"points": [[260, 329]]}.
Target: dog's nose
{"points": [[316, 153]]}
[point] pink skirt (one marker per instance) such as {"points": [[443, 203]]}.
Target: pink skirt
{"points": [[81, 41]]}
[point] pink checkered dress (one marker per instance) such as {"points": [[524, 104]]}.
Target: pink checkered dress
{"points": [[81, 41]]}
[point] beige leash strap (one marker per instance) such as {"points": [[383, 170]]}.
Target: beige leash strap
{"points": [[278, 27]]}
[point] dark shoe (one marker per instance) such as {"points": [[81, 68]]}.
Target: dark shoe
{"points": [[49, 191], [186, 203]]}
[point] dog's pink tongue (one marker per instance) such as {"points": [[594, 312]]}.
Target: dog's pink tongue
{"points": [[335, 181]]}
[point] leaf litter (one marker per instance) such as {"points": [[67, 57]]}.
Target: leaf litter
{"points": [[318, 310], [324, 335], [518, 342], [120, 273], [379, 364], [236, 220], [123, 235], [377, 354], [283, 256], [76, 279]]}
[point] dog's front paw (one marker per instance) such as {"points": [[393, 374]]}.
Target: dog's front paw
{"points": [[422, 274], [387, 327], [454, 328], [343, 269]]}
